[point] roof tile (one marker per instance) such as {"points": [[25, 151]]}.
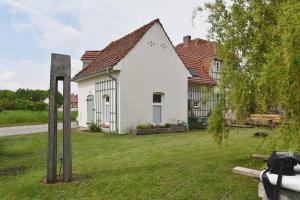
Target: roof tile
{"points": [[90, 55], [115, 51], [198, 56]]}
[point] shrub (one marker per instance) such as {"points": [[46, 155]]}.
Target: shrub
{"points": [[159, 126], [94, 127], [74, 115], [167, 125], [39, 106], [144, 126], [149, 126]]}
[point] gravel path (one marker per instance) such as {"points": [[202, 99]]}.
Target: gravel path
{"points": [[19, 130]]}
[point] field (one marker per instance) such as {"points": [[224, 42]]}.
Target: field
{"points": [[26, 117], [165, 166]]}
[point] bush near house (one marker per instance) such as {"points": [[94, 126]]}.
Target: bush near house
{"points": [[94, 127], [152, 126]]}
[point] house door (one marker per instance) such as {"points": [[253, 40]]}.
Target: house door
{"points": [[90, 109], [106, 109], [157, 114], [157, 104]]}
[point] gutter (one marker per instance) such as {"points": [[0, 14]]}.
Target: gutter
{"points": [[89, 75], [116, 94]]}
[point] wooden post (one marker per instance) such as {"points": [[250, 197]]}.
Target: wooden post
{"points": [[247, 172], [67, 162], [60, 70]]}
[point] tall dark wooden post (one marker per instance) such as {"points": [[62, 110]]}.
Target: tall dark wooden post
{"points": [[60, 70]]}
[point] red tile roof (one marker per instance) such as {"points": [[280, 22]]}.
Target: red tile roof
{"points": [[90, 55], [115, 51], [204, 79], [198, 55]]}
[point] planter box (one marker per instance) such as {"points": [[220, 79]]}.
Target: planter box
{"points": [[163, 130], [159, 130], [146, 131], [177, 129]]}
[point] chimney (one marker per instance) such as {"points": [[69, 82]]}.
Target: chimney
{"points": [[186, 40]]}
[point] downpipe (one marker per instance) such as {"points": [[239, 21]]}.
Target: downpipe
{"points": [[116, 94]]}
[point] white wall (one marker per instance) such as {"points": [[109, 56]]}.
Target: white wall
{"points": [[87, 87], [148, 69]]}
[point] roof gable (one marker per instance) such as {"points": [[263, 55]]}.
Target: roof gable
{"points": [[90, 55], [115, 51], [198, 55]]}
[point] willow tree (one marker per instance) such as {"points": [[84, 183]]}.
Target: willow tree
{"points": [[259, 44]]}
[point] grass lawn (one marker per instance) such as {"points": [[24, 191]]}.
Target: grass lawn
{"points": [[26, 117], [166, 166]]}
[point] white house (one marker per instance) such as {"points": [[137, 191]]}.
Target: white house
{"points": [[136, 79], [200, 57]]}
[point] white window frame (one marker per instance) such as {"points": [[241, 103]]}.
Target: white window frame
{"points": [[158, 104], [217, 65], [197, 105], [105, 114]]}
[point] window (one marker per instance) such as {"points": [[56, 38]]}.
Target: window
{"points": [[156, 98], [106, 110], [217, 65], [218, 97], [196, 104], [85, 63], [157, 108]]}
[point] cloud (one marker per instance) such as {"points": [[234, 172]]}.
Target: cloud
{"points": [[95, 23], [7, 80], [71, 27], [49, 31], [28, 73], [6, 75]]}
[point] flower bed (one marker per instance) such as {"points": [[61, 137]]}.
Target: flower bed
{"points": [[145, 129]]}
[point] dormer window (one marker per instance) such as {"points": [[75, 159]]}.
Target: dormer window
{"points": [[85, 63], [217, 65]]}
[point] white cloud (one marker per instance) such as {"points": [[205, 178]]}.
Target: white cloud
{"points": [[6, 75], [49, 31], [96, 22], [71, 27], [27, 73]]}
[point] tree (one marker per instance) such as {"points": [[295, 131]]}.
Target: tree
{"points": [[26, 99], [258, 42]]}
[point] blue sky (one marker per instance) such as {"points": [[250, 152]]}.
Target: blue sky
{"points": [[31, 29]]}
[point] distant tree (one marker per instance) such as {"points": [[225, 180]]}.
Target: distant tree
{"points": [[26, 99], [7, 94]]}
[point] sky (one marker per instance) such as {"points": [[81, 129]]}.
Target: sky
{"points": [[30, 30]]}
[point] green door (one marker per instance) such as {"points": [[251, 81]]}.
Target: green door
{"points": [[90, 109]]}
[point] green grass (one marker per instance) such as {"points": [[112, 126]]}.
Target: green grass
{"points": [[25, 117], [165, 166]]}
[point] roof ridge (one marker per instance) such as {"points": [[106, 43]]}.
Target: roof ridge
{"points": [[115, 51], [136, 30]]}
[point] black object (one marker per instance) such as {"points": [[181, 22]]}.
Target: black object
{"points": [[280, 163]]}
